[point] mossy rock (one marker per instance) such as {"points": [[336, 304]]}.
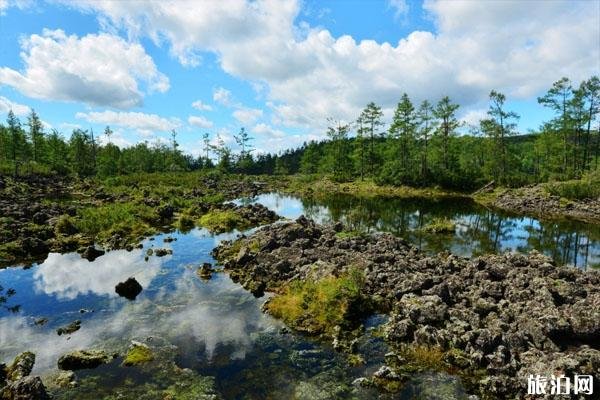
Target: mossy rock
{"points": [[138, 354]]}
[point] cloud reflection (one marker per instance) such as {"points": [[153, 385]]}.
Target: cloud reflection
{"points": [[68, 275]]}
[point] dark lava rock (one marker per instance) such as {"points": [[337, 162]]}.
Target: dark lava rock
{"points": [[205, 271], [162, 252], [34, 246], [40, 217], [509, 315], [91, 253], [83, 359], [166, 211], [68, 329], [128, 289], [28, 388]]}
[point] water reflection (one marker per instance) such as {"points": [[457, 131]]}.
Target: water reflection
{"points": [[68, 275], [201, 318], [478, 230]]}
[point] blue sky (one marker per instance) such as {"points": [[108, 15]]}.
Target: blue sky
{"points": [[280, 68]]}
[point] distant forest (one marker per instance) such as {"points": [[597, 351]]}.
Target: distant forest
{"points": [[421, 146]]}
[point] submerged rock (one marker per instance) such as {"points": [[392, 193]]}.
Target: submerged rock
{"points": [[68, 329], [128, 289], [83, 359], [21, 366], [27, 388], [65, 379]]}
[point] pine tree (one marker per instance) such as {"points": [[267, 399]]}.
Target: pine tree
{"points": [[36, 134], [371, 118]]}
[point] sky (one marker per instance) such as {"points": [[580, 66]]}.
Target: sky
{"points": [[280, 68]]}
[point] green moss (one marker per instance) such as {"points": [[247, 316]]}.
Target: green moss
{"points": [[316, 307], [138, 354], [349, 234], [220, 221], [439, 225]]}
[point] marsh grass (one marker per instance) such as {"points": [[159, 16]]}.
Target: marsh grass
{"points": [[219, 221], [439, 225]]}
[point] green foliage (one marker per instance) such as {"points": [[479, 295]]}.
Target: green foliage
{"points": [[316, 307], [219, 221], [586, 188], [65, 225]]}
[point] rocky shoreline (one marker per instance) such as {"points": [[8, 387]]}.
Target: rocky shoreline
{"points": [[493, 320], [535, 201]]}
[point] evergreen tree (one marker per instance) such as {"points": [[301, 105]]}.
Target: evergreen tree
{"points": [[445, 112], [425, 126], [499, 127], [402, 132], [36, 135], [371, 119], [557, 99]]}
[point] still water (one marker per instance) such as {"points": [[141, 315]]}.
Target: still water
{"points": [[216, 329], [478, 230]]}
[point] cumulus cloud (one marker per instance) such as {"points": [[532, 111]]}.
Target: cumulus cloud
{"points": [[200, 122], [18, 109], [223, 96], [200, 106], [144, 124], [400, 8], [517, 47], [268, 131], [247, 115], [97, 69]]}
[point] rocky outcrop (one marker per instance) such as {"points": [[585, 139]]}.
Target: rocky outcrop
{"points": [[28, 388], [129, 289], [534, 200], [508, 315]]}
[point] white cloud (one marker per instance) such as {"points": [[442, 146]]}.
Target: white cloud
{"points": [[472, 117], [97, 69], [516, 47], [223, 96], [200, 122], [18, 109], [247, 116], [20, 4], [145, 124], [268, 131], [200, 106], [400, 8]]}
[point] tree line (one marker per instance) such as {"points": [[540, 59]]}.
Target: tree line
{"points": [[420, 147]]}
